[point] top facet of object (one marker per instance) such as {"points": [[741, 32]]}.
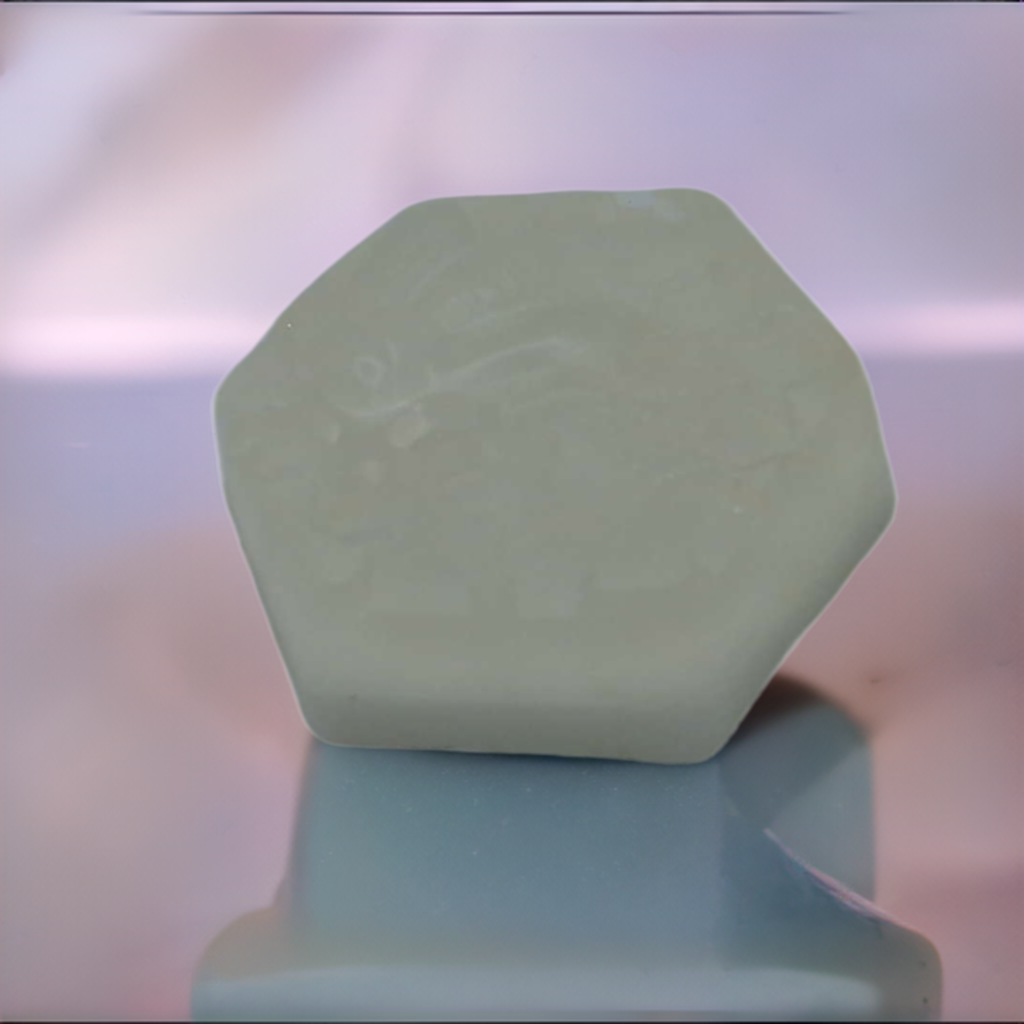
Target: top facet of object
{"points": [[559, 474]]}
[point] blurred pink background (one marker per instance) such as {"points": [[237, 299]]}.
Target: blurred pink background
{"points": [[170, 183]]}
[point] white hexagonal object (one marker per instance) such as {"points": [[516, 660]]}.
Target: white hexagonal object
{"points": [[555, 474]]}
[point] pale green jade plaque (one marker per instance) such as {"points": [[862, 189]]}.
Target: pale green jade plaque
{"points": [[549, 474]]}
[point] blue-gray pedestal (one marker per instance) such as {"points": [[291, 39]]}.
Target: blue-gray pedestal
{"points": [[432, 885]]}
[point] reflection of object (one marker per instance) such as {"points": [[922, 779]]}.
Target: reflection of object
{"points": [[800, 767], [436, 885], [550, 474]]}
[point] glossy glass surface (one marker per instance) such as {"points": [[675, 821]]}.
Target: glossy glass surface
{"points": [[432, 885]]}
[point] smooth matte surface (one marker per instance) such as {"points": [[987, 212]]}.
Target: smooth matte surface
{"points": [[555, 474], [427, 885]]}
